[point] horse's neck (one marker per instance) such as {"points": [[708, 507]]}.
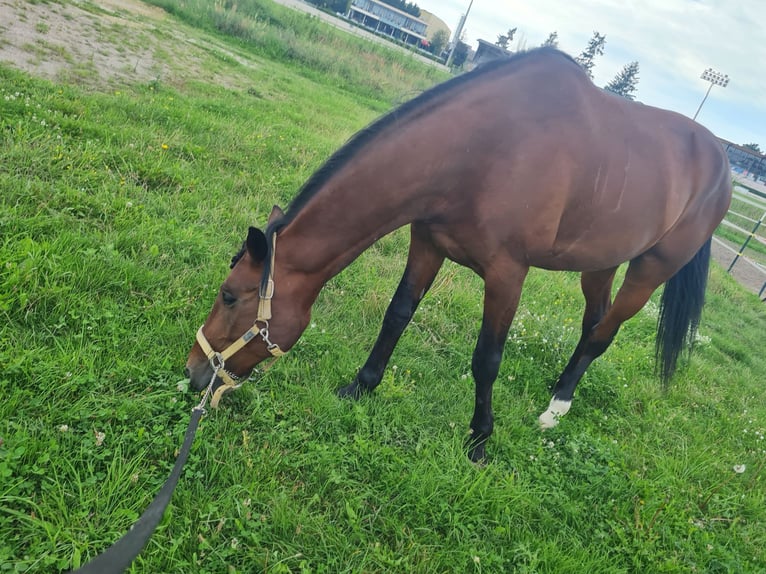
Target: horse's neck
{"points": [[338, 224]]}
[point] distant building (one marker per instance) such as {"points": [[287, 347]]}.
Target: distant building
{"points": [[745, 161], [435, 24], [388, 20], [487, 52]]}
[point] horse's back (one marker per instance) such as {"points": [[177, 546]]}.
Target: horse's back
{"points": [[573, 177]]}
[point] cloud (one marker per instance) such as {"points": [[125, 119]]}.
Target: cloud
{"points": [[673, 41]]}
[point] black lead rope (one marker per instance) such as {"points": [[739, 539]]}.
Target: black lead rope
{"points": [[120, 554]]}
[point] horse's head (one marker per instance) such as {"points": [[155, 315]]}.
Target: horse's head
{"points": [[256, 315]]}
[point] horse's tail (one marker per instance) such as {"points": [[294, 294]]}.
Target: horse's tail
{"points": [[680, 311]]}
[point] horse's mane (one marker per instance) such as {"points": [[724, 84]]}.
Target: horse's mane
{"points": [[358, 141]]}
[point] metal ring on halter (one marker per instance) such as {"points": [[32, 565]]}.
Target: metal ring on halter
{"points": [[217, 361]]}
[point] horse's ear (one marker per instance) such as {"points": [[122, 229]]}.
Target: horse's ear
{"points": [[276, 213], [256, 244]]}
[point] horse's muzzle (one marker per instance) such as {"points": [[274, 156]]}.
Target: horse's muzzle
{"points": [[199, 376]]}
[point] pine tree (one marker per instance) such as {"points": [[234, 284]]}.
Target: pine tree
{"points": [[595, 48], [552, 41], [503, 40], [624, 83]]}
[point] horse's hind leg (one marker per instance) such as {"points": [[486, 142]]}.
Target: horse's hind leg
{"points": [[644, 275], [597, 288], [423, 263]]}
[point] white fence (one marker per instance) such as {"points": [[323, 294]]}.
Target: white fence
{"points": [[742, 234]]}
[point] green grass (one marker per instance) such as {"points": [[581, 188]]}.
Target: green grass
{"points": [[320, 51], [119, 212]]}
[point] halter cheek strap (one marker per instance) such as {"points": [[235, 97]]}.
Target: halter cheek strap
{"points": [[218, 359]]}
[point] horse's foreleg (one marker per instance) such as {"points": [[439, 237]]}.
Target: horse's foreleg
{"points": [[644, 275], [501, 298], [423, 263]]}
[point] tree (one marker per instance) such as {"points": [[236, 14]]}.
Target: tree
{"points": [[461, 53], [753, 146], [409, 7], [339, 6], [552, 41], [624, 83], [595, 48], [504, 39], [438, 42]]}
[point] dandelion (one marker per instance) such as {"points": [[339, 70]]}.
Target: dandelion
{"points": [[165, 146], [100, 438]]}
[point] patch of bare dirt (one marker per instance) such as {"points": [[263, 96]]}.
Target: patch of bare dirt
{"points": [[102, 43], [745, 272]]}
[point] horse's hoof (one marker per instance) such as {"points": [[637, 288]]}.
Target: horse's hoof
{"points": [[556, 410], [478, 456], [352, 391]]}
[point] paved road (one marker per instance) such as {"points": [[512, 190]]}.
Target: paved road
{"points": [[343, 24]]}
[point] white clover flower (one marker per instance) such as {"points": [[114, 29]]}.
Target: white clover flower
{"points": [[739, 468], [100, 438], [64, 428]]}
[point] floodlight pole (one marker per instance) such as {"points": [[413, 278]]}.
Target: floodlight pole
{"points": [[715, 79], [458, 33]]}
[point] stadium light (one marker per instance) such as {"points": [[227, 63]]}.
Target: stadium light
{"points": [[458, 33], [715, 79]]}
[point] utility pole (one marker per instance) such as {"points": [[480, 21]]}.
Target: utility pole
{"points": [[715, 79], [458, 33]]}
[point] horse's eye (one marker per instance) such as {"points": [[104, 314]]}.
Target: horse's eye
{"points": [[228, 298]]}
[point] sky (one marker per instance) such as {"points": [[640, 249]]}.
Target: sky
{"points": [[674, 41]]}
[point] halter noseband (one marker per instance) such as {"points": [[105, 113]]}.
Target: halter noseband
{"points": [[218, 359]]}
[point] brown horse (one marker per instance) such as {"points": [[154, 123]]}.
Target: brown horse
{"points": [[522, 162]]}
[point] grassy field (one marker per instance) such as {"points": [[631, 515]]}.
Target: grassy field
{"points": [[120, 208]]}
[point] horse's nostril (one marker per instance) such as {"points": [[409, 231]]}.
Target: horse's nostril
{"points": [[187, 372]]}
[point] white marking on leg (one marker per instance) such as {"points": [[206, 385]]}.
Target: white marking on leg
{"points": [[556, 410]]}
